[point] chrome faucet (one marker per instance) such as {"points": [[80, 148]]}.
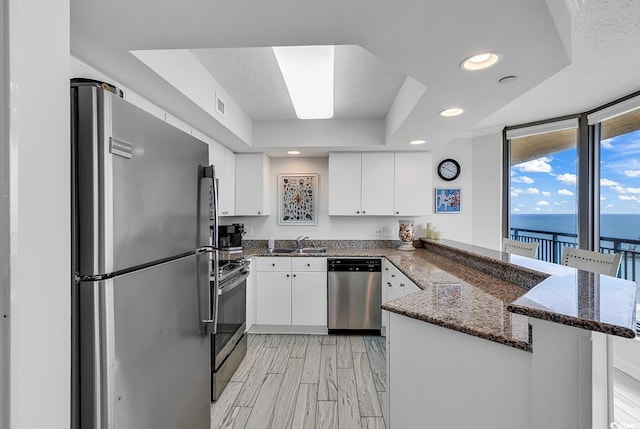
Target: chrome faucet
{"points": [[299, 241]]}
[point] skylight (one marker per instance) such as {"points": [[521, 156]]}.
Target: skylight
{"points": [[308, 74]]}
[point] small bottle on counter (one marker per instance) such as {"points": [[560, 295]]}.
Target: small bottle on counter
{"points": [[270, 244]]}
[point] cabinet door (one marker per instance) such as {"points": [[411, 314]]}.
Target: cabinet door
{"points": [[345, 184], [309, 298], [273, 292], [377, 184], [228, 190], [252, 185], [413, 191]]}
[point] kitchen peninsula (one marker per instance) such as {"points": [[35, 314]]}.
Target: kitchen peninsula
{"points": [[510, 341]]}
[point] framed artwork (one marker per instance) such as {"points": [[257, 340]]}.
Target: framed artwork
{"points": [[298, 199], [448, 200]]}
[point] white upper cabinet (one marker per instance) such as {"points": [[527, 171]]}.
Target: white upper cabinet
{"points": [[412, 187], [224, 161], [380, 184], [228, 189], [377, 184], [345, 184], [252, 184]]}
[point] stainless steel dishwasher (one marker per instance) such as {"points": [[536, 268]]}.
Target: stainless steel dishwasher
{"points": [[354, 294]]}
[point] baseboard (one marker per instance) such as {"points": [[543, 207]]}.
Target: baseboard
{"points": [[288, 329]]}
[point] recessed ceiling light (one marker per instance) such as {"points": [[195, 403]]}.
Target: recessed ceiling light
{"points": [[308, 74], [480, 61], [454, 111], [417, 142], [294, 152]]}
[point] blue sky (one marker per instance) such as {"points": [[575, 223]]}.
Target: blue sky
{"points": [[548, 185]]}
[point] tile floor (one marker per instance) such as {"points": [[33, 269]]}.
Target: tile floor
{"points": [[306, 381]]}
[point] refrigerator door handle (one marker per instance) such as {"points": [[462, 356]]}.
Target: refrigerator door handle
{"points": [[215, 294], [210, 172]]}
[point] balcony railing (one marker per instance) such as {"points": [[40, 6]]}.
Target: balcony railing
{"points": [[551, 244]]}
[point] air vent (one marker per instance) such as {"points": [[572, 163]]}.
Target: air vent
{"points": [[220, 105]]}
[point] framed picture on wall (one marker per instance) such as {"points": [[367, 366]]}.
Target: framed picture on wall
{"points": [[298, 199], [448, 200]]}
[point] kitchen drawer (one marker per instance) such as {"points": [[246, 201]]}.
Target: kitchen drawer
{"points": [[273, 264], [308, 264]]}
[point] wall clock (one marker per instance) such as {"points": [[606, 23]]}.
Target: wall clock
{"points": [[449, 169]]}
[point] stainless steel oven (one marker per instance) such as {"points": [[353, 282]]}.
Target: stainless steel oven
{"points": [[229, 342]]}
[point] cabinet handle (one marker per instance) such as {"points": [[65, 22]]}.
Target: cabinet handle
{"points": [[389, 284], [393, 275], [287, 275], [401, 284], [308, 265], [273, 265], [386, 269], [397, 212], [358, 212], [294, 275], [259, 213], [363, 212]]}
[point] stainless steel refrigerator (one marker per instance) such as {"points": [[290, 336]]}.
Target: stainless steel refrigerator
{"points": [[141, 323]]}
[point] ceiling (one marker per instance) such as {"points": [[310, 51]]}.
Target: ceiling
{"points": [[378, 45], [364, 85]]}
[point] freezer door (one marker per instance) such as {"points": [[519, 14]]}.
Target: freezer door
{"points": [[140, 185], [145, 362]]}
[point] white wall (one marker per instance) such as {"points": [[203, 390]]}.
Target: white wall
{"points": [[487, 187], [40, 278], [456, 226]]}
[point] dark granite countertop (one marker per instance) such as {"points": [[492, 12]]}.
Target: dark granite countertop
{"points": [[453, 295], [490, 294], [563, 295]]}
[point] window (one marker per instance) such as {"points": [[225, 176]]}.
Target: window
{"points": [[543, 175], [619, 146]]}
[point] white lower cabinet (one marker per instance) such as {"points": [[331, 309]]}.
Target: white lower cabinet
{"points": [[291, 292], [309, 298], [274, 298], [394, 285]]}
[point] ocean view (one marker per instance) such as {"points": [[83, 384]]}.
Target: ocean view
{"points": [[611, 225]]}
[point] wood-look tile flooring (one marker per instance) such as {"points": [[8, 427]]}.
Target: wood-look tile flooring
{"points": [[306, 381], [626, 400]]}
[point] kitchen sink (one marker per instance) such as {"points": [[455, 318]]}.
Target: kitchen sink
{"points": [[281, 250], [305, 250], [311, 250]]}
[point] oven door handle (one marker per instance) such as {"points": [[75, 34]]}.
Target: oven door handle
{"points": [[235, 282]]}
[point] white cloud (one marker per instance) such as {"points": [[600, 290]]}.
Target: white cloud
{"points": [[542, 203], [626, 190], [602, 198], [609, 206], [607, 182], [565, 192], [540, 165], [606, 144], [522, 179], [546, 194], [516, 209], [515, 192], [533, 191], [538, 209], [632, 173], [567, 178], [628, 197]]}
